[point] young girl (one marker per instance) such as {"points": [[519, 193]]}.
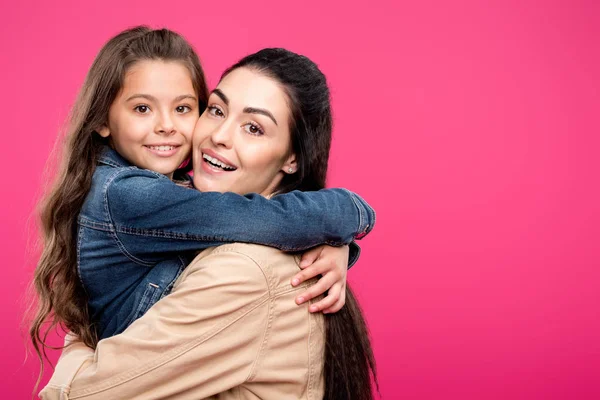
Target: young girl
{"points": [[118, 231]]}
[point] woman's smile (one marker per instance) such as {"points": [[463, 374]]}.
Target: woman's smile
{"points": [[213, 162]]}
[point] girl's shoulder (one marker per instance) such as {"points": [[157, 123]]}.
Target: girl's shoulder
{"points": [[110, 176]]}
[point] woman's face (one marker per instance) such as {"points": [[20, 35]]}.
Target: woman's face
{"points": [[242, 141]]}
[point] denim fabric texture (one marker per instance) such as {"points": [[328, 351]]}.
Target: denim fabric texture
{"points": [[138, 230]]}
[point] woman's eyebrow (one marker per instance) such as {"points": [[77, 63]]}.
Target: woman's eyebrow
{"points": [[262, 111], [247, 110], [221, 95]]}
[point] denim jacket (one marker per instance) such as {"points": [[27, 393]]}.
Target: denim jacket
{"points": [[137, 230]]}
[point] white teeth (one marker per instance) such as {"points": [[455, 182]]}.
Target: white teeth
{"points": [[217, 163], [161, 148]]}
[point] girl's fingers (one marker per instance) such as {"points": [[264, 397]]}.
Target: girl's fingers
{"points": [[324, 284], [329, 301], [338, 305], [310, 256], [321, 267]]}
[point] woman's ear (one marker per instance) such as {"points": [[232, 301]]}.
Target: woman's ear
{"points": [[104, 131], [290, 166]]}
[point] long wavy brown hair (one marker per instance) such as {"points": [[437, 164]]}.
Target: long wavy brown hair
{"points": [[349, 369], [61, 298]]}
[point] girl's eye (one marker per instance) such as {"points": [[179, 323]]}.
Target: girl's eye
{"points": [[183, 109], [253, 129], [215, 111], [142, 109]]}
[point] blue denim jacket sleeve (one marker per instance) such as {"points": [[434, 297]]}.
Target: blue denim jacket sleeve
{"points": [[149, 214]]}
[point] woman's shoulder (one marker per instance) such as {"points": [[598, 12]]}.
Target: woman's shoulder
{"points": [[276, 266], [260, 254]]}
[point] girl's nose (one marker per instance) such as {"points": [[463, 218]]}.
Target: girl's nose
{"points": [[165, 125]]}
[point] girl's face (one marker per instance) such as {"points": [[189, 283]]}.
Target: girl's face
{"points": [[242, 141], [152, 119]]}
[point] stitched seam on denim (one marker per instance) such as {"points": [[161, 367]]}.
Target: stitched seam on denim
{"points": [[108, 161], [371, 214], [302, 248], [172, 283], [148, 294], [133, 314], [199, 238], [167, 234], [360, 212], [374, 219], [171, 355], [79, 240], [113, 231], [88, 223]]}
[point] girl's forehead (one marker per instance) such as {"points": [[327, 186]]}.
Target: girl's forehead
{"points": [[160, 77]]}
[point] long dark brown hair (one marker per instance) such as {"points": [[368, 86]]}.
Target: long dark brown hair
{"points": [[61, 298], [349, 367]]}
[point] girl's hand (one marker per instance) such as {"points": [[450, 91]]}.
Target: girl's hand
{"points": [[332, 264]]}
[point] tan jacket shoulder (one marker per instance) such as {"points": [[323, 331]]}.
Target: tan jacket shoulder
{"points": [[230, 329]]}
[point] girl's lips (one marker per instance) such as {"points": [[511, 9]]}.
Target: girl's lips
{"points": [[163, 150]]}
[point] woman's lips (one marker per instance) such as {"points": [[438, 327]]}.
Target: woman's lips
{"points": [[218, 158], [212, 169]]}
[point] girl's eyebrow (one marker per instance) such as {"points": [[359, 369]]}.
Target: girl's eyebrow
{"points": [[152, 98]]}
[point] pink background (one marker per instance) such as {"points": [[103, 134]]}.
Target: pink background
{"points": [[472, 128]]}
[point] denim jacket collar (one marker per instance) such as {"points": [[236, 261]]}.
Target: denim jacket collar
{"points": [[110, 157]]}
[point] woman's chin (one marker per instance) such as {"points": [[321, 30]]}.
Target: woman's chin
{"points": [[202, 184]]}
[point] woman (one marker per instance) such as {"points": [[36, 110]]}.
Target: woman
{"points": [[230, 327]]}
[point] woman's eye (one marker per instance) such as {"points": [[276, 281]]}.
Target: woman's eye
{"points": [[142, 109], [215, 111], [183, 109], [253, 129]]}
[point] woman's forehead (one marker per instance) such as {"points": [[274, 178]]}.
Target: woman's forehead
{"points": [[244, 87]]}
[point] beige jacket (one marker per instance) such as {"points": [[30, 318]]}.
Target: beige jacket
{"points": [[229, 330]]}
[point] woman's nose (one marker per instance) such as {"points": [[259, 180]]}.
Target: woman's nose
{"points": [[223, 135]]}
